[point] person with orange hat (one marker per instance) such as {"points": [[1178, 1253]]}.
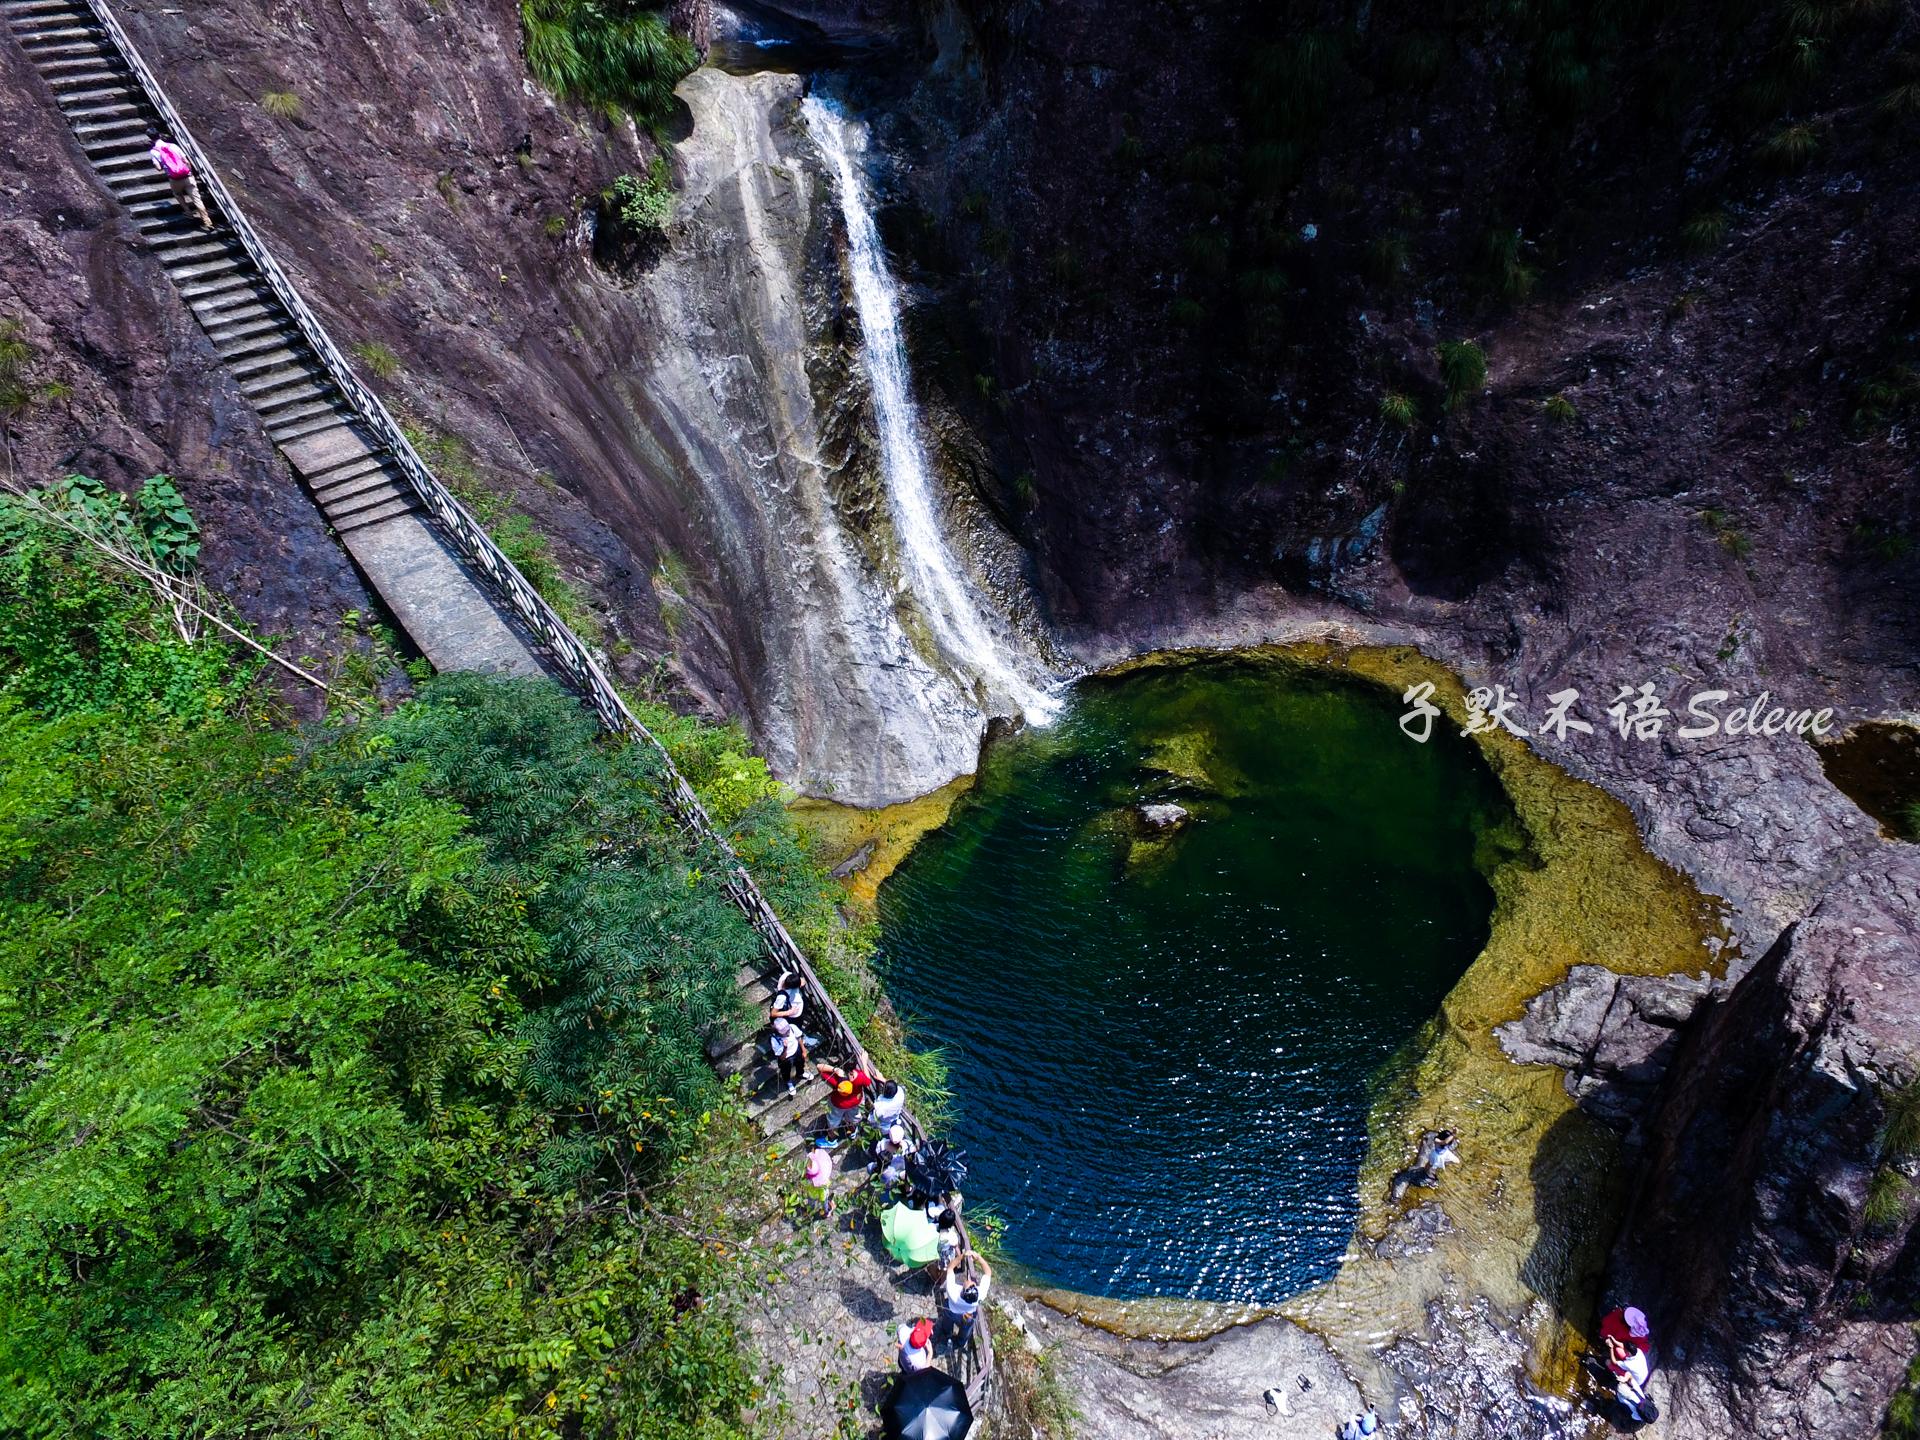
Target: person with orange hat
{"points": [[916, 1347], [847, 1090]]}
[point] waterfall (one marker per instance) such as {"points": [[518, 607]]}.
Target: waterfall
{"points": [[961, 631]]}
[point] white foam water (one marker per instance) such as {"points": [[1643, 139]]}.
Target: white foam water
{"points": [[959, 628]]}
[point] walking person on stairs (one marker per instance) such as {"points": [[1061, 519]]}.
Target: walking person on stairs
{"points": [[171, 161]]}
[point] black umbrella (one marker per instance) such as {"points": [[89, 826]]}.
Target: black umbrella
{"points": [[927, 1405], [936, 1168]]}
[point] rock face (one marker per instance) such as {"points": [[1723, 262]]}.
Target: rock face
{"points": [[1784, 1306], [1613, 1034]]}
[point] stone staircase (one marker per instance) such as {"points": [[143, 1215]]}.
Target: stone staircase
{"points": [[785, 1121], [363, 493]]}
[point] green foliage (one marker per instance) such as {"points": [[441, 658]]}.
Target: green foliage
{"points": [[1903, 1411], [1398, 410], [380, 361], [615, 54], [1501, 264], [277, 1160], [1559, 409], [1735, 541], [281, 104], [1463, 369], [1791, 148], [1416, 60], [1186, 312], [1705, 230], [1389, 257], [79, 634], [1887, 397], [18, 390], [639, 208]]}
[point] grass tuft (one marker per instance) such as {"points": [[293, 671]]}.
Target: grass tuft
{"points": [[1463, 369], [1398, 410]]}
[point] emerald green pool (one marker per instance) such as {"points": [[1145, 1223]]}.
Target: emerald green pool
{"points": [[1164, 1043]]}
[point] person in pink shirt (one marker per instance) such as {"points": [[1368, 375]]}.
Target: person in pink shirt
{"points": [[171, 161]]}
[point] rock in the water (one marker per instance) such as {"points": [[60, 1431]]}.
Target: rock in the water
{"points": [[1164, 816]]}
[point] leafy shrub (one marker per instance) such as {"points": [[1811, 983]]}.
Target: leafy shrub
{"points": [[611, 53], [640, 207], [1559, 409], [1398, 410], [1389, 256], [1886, 397], [1416, 60], [281, 104], [1463, 369], [78, 634], [1705, 230], [1186, 312]]}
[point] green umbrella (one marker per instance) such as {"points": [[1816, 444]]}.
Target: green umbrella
{"points": [[910, 1236]]}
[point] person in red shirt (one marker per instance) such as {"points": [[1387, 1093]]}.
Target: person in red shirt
{"points": [[847, 1091], [1626, 1339]]}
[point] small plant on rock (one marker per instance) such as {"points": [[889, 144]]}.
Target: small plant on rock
{"points": [[1463, 369], [381, 362], [281, 104], [1705, 230], [1791, 148], [1398, 410], [1560, 410]]}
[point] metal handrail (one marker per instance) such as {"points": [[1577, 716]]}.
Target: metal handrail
{"points": [[565, 651]]}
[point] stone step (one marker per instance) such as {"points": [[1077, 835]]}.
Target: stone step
{"points": [[268, 385], [367, 519], [283, 430], [267, 353], [356, 494], [189, 272], [291, 407], [352, 474], [773, 1115]]}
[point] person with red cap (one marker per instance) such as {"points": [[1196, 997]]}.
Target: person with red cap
{"points": [[916, 1347], [846, 1092]]}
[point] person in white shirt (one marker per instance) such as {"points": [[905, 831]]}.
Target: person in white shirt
{"points": [[889, 1104], [789, 1049], [965, 1292]]}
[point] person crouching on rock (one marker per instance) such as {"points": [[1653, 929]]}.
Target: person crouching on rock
{"points": [[916, 1347], [1627, 1339], [1436, 1152]]}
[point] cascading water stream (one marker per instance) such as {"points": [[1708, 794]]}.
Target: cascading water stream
{"points": [[959, 628]]}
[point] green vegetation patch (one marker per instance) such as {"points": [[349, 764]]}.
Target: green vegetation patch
{"points": [[614, 54], [355, 1081]]}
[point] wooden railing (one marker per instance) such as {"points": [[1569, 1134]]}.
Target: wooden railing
{"points": [[566, 654]]}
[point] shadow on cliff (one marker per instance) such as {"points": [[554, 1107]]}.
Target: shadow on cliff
{"points": [[1578, 1186]]}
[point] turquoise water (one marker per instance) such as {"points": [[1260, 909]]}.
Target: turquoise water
{"points": [[1163, 1049]]}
